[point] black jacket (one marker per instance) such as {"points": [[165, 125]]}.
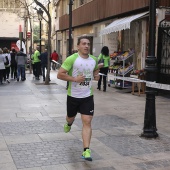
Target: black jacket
{"points": [[44, 58], [13, 61]]}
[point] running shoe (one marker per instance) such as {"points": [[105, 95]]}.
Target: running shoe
{"points": [[67, 128], [87, 155]]}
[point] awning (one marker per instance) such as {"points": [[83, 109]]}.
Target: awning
{"points": [[121, 24]]}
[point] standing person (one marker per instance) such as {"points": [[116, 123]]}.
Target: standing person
{"points": [[2, 65], [32, 62], [44, 62], [54, 56], [7, 66], [79, 70], [37, 64], [13, 64], [21, 59], [104, 55]]}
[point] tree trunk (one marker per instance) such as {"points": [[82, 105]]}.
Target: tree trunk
{"points": [[49, 40]]}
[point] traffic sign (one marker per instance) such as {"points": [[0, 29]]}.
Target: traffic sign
{"points": [[28, 34]]}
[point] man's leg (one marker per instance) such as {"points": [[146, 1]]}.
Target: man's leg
{"points": [[12, 71], [87, 130], [99, 82], [19, 72], [105, 71], [46, 71], [86, 136], [72, 105], [15, 71], [43, 71], [53, 65], [23, 73], [69, 122]]}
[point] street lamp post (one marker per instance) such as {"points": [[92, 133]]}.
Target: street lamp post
{"points": [[70, 26], [40, 16], [149, 130], [70, 30]]}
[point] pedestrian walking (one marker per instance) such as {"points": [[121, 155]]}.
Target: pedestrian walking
{"points": [[7, 66], [13, 64], [21, 59], [37, 64], [54, 56], [79, 69], [44, 62], [32, 63], [2, 65], [105, 60]]}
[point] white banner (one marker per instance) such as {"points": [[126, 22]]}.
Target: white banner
{"points": [[23, 46], [148, 83]]}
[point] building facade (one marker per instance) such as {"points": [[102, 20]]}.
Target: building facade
{"points": [[12, 21], [91, 17]]}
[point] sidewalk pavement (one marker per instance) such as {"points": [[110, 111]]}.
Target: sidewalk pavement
{"points": [[31, 130]]}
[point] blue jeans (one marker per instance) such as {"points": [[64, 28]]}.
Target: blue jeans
{"points": [[21, 71]]}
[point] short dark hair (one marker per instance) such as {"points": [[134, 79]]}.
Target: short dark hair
{"points": [[82, 37]]}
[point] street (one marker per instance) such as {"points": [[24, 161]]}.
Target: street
{"points": [[32, 116]]}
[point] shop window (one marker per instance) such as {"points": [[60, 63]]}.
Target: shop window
{"points": [[10, 3], [5, 4], [17, 4]]}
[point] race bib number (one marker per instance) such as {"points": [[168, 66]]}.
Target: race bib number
{"points": [[86, 83]]}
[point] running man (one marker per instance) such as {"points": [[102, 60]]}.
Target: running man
{"points": [[79, 69]]}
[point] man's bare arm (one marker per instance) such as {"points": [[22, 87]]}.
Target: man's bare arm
{"points": [[96, 75], [62, 74]]}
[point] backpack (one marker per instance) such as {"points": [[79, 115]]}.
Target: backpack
{"points": [[7, 61]]}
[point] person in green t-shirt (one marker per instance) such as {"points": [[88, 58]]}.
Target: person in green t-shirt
{"points": [[32, 62], [104, 55], [79, 69], [37, 63]]}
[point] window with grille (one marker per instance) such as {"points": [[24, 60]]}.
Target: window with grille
{"points": [[1, 4], [10, 3]]}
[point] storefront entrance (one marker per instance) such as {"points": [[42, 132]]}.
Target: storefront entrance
{"points": [[163, 52]]}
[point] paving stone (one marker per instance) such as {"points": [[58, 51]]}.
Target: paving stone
{"points": [[5, 157], [107, 121], [134, 145], [54, 167], [8, 166], [59, 91], [17, 92], [154, 164], [31, 127], [37, 168], [3, 146], [56, 136], [104, 168], [47, 153]]}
